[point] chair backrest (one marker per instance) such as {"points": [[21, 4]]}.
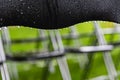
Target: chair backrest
{"points": [[55, 14]]}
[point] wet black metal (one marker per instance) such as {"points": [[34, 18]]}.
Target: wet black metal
{"points": [[47, 14]]}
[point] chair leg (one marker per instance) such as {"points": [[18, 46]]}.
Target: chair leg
{"points": [[45, 48], [62, 62], [106, 55], [3, 66], [11, 67]]}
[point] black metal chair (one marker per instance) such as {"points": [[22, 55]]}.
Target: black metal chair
{"points": [[56, 14]]}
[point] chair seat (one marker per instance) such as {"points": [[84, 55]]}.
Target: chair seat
{"points": [[55, 14]]}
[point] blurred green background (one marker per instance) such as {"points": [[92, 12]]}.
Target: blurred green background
{"points": [[38, 70]]}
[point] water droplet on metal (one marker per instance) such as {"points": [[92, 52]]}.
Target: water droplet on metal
{"points": [[21, 12], [70, 12], [34, 22], [23, 3], [1, 19], [28, 7], [18, 10], [5, 27]]}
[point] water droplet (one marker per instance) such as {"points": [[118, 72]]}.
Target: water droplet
{"points": [[23, 3], [70, 12], [38, 15], [4, 27], [18, 10], [34, 22], [1, 19], [28, 7], [21, 12]]}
